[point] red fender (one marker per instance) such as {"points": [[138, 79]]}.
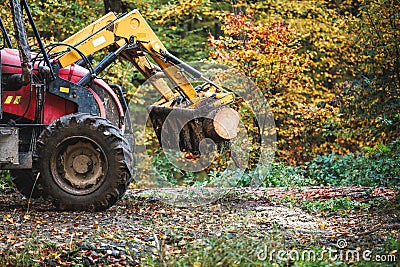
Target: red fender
{"points": [[17, 102], [74, 73]]}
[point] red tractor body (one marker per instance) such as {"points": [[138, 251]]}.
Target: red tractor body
{"points": [[18, 102], [63, 139]]}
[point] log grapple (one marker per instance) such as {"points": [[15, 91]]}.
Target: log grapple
{"points": [[66, 135]]}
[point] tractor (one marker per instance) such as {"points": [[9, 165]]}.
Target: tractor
{"points": [[66, 134]]}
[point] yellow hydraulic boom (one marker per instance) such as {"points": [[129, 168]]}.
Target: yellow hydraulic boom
{"points": [[127, 30], [136, 41]]}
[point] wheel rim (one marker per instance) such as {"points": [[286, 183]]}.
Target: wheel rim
{"points": [[79, 165]]}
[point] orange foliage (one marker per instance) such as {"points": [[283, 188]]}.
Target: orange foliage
{"points": [[306, 116]]}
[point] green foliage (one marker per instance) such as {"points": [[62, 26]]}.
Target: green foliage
{"points": [[5, 181], [376, 166], [379, 166], [181, 25], [282, 175], [334, 204], [57, 20], [378, 40], [170, 173]]}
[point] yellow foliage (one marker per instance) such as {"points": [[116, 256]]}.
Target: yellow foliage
{"points": [[301, 68]]}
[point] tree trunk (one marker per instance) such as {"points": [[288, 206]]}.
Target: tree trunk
{"points": [[117, 6]]}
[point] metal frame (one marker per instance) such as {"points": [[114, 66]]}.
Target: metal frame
{"points": [[38, 38], [5, 34]]}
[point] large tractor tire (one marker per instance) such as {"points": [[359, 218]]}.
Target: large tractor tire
{"points": [[25, 182], [83, 163]]}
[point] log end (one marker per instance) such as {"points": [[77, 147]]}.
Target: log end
{"points": [[226, 122]]}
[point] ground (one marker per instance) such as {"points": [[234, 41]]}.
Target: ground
{"points": [[244, 227]]}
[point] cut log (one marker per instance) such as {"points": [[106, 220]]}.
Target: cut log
{"points": [[191, 126], [221, 124]]}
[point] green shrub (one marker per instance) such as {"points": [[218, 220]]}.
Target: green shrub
{"points": [[334, 204], [5, 181], [282, 175], [377, 166]]}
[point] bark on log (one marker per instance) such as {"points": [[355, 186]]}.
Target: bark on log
{"points": [[191, 126]]}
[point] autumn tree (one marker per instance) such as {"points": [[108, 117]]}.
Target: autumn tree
{"points": [[268, 54], [330, 69], [343, 96], [370, 104]]}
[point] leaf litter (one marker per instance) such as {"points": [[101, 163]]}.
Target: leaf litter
{"points": [[141, 225]]}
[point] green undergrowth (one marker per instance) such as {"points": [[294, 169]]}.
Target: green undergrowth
{"points": [[5, 181], [335, 204], [374, 167], [377, 166]]}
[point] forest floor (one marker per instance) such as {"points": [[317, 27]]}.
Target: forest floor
{"points": [[261, 226]]}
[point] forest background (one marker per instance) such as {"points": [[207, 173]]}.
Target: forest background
{"points": [[330, 71]]}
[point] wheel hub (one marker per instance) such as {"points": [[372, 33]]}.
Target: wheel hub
{"points": [[82, 165]]}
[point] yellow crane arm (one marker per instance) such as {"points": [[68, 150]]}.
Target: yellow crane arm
{"points": [[128, 29]]}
